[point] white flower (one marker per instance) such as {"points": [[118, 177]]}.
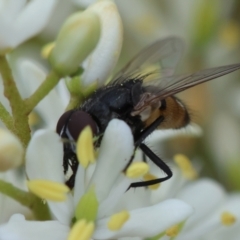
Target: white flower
{"points": [[19, 229], [21, 20], [215, 211], [99, 65], [110, 184]]}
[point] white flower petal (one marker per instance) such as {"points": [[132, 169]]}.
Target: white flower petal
{"points": [[44, 157], [19, 229], [160, 135], [107, 206], [63, 211], [147, 222], [79, 187], [115, 151], [205, 196], [27, 22], [169, 188], [227, 232], [99, 65], [211, 226]]}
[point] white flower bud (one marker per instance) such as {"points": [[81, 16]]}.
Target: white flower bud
{"points": [[100, 64], [77, 38], [11, 151]]}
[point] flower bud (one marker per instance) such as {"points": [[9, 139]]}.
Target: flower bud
{"points": [[77, 38], [100, 63], [11, 151]]}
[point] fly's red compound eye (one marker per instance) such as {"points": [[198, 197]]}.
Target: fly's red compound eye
{"points": [[73, 122]]}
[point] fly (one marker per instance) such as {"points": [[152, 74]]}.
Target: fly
{"points": [[144, 99]]}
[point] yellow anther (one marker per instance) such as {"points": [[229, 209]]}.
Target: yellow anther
{"points": [[137, 169], [48, 190], [173, 231], [118, 220], [228, 219], [186, 167], [85, 150], [81, 230], [148, 177], [33, 119], [47, 49]]}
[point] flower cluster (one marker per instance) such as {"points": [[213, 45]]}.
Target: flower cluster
{"points": [[35, 203]]}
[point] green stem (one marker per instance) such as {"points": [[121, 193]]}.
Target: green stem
{"points": [[20, 118], [10, 89], [27, 199], [6, 117], [49, 83]]}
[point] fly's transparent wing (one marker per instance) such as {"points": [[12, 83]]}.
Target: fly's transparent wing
{"points": [[167, 86], [166, 53]]}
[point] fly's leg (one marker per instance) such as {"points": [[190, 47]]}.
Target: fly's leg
{"points": [[70, 161], [151, 155], [159, 162]]}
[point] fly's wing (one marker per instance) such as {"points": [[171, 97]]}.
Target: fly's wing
{"points": [[165, 53], [167, 86]]}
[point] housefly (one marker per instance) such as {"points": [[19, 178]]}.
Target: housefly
{"points": [[143, 97]]}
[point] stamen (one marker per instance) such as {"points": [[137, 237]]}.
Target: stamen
{"points": [[148, 177], [81, 230], [47, 50], [85, 150], [118, 220], [186, 167], [48, 190], [173, 231], [228, 219], [137, 169]]}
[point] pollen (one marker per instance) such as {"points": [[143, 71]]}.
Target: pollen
{"points": [[186, 167], [172, 231], [48, 190], [117, 220], [148, 177], [228, 219], [137, 169], [85, 150], [81, 230], [47, 49]]}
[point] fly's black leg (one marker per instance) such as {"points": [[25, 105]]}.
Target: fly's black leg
{"points": [[144, 157], [139, 138], [159, 162]]}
